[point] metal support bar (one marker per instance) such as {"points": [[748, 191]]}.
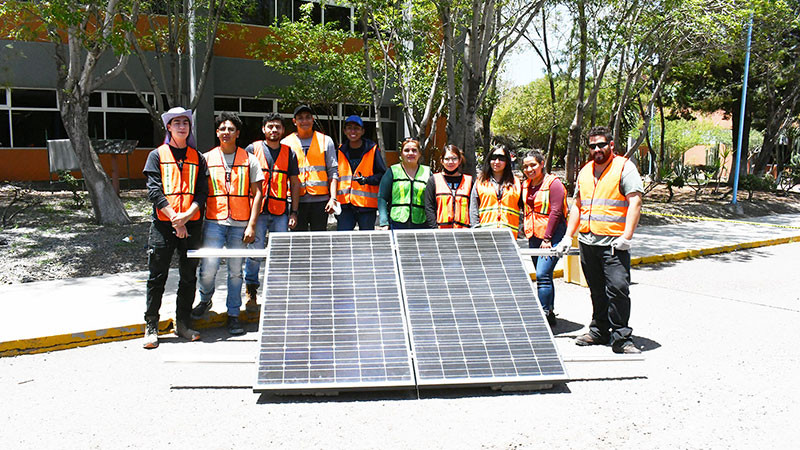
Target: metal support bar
{"points": [[546, 252], [226, 253]]}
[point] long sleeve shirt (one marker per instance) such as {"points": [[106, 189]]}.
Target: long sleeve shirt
{"points": [[155, 187], [557, 194]]}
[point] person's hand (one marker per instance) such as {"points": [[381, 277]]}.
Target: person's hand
{"points": [[180, 231], [621, 243], [180, 219], [331, 206], [360, 179], [249, 234], [382, 228], [292, 220], [563, 246], [546, 244]]}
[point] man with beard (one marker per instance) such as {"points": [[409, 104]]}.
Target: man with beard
{"points": [[608, 202]]}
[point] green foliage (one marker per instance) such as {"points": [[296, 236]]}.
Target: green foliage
{"points": [[74, 185], [325, 64], [751, 182]]}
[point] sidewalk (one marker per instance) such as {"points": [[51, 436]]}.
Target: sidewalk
{"points": [[54, 315]]}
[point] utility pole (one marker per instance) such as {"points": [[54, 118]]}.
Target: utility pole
{"points": [[741, 111]]}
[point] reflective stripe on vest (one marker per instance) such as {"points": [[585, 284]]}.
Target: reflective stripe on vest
{"points": [[178, 183], [313, 171], [452, 208], [603, 207], [503, 213], [353, 192], [275, 191], [408, 198], [228, 199], [536, 218]]}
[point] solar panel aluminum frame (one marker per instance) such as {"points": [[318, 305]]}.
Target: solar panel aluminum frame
{"points": [[332, 387], [481, 381]]}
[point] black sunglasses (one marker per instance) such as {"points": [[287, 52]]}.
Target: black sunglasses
{"points": [[598, 145], [495, 156]]}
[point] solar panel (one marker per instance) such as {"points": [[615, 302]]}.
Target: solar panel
{"points": [[473, 315], [332, 316]]}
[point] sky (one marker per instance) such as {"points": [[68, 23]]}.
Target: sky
{"points": [[523, 66]]}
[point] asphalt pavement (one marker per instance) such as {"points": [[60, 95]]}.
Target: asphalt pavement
{"points": [[52, 315]]}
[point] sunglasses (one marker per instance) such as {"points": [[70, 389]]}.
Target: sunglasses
{"points": [[598, 145], [495, 157]]}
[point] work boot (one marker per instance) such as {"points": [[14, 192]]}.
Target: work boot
{"points": [[234, 327], [183, 330], [551, 319], [252, 296], [150, 335], [589, 339], [201, 309], [627, 348]]}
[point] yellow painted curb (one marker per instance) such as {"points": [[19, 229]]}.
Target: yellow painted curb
{"points": [[84, 339]]}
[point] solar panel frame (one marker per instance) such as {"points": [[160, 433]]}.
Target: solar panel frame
{"points": [[479, 369], [386, 321]]}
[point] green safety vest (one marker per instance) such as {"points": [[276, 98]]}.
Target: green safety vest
{"points": [[408, 196]]}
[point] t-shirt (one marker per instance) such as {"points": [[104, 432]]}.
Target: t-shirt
{"points": [[630, 182], [155, 187], [331, 167], [255, 176], [271, 157]]}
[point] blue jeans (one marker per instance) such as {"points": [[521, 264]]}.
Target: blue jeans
{"points": [[346, 221], [275, 224], [544, 269], [217, 236]]}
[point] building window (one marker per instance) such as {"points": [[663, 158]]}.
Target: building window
{"points": [[270, 12], [31, 117], [5, 129]]}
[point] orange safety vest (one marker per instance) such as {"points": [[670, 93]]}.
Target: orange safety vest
{"points": [[502, 213], [452, 208], [603, 206], [536, 218], [276, 189], [313, 173], [353, 192], [178, 183], [228, 199]]}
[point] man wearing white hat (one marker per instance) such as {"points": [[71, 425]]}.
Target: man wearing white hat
{"points": [[176, 177]]}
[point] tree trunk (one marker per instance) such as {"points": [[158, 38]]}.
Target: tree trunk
{"points": [[108, 208], [573, 141]]}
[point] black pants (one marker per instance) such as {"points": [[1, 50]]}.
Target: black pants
{"points": [[312, 217], [609, 277], [162, 243]]}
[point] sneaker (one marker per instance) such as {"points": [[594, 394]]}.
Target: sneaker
{"points": [[234, 327], [252, 296], [150, 336], [182, 330], [201, 309], [627, 348], [588, 339], [551, 319]]}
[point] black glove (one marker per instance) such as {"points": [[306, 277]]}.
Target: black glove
{"points": [[360, 179]]}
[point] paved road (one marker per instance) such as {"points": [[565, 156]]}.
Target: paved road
{"points": [[720, 372]]}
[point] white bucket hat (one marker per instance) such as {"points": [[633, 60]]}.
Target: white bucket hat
{"points": [[179, 112]]}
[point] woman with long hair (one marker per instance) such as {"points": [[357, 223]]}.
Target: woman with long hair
{"points": [[447, 193], [400, 196], [545, 220], [496, 196]]}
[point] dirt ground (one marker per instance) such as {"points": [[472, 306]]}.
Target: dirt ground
{"points": [[51, 240]]}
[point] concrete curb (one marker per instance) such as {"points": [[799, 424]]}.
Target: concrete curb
{"points": [[121, 333]]}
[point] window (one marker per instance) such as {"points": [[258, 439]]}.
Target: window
{"points": [[316, 12], [5, 130], [338, 15], [251, 130], [126, 125], [33, 98], [34, 128], [256, 105], [2, 96], [226, 104]]}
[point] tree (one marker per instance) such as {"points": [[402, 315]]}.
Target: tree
{"points": [[323, 62], [82, 32], [171, 32]]}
